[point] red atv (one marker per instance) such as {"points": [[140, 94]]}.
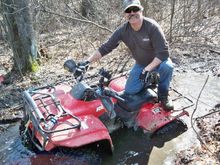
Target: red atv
{"points": [[74, 116]]}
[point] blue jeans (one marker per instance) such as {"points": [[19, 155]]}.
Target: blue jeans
{"points": [[165, 70]]}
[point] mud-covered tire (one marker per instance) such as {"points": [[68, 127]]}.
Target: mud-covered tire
{"points": [[175, 127], [89, 154], [82, 155]]}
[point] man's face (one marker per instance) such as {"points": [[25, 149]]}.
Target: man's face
{"points": [[133, 14]]}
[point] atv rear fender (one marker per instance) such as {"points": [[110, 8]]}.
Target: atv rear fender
{"points": [[153, 117]]}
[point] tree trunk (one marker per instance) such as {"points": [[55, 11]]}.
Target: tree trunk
{"points": [[199, 9], [184, 18], [146, 6], [171, 19], [20, 34], [87, 8]]}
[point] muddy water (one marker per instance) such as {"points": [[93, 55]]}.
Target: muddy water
{"points": [[131, 147], [12, 149]]}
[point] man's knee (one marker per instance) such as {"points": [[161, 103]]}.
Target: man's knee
{"points": [[167, 65], [166, 73]]}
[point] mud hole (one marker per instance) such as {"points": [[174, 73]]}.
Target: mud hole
{"points": [[202, 59]]}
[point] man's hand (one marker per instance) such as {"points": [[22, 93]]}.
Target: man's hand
{"points": [[144, 76], [81, 68]]}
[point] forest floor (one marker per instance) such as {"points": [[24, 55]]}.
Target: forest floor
{"points": [[200, 58]]}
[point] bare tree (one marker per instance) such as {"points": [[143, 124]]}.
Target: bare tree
{"points": [[171, 18], [20, 34]]}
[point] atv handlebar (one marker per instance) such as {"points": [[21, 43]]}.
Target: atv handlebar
{"points": [[73, 67]]}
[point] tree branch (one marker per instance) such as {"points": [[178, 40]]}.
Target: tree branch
{"points": [[76, 19]]}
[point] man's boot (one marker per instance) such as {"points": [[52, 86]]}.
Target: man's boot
{"points": [[166, 103]]}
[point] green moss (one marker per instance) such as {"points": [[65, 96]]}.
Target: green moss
{"points": [[34, 66]]}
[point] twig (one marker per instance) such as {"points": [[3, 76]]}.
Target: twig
{"points": [[207, 114], [214, 51], [192, 124], [16, 106], [3, 128]]}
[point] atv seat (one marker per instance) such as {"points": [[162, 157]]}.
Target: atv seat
{"points": [[134, 102]]}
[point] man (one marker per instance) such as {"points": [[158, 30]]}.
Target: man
{"points": [[146, 40]]}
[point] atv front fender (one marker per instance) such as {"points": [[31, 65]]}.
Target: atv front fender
{"points": [[92, 130]]}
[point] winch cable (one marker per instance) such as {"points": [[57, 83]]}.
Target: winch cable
{"points": [[192, 122]]}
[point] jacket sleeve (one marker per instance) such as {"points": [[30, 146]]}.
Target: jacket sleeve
{"points": [[159, 42], [111, 43]]}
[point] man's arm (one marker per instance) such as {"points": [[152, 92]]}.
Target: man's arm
{"points": [[95, 57], [159, 43], [106, 47], [156, 61]]}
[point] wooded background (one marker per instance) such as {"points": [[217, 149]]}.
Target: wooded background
{"points": [[29, 26]]}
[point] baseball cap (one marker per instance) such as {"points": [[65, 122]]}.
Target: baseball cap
{"points": [[130, 3]]}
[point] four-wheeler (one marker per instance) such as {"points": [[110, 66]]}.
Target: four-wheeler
{"points": [[75, 115]]}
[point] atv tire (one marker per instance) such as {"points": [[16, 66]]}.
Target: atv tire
{"points": [[80, 155], [177, 126], [25, 137]]}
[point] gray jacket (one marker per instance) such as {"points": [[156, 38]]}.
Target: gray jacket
{"points": [[145, 44]]}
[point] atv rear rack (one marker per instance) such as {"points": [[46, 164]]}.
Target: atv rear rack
{"points": [[180, 96], [33, 114]]}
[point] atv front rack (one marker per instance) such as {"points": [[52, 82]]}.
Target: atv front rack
{"points": [[34, 101]]}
